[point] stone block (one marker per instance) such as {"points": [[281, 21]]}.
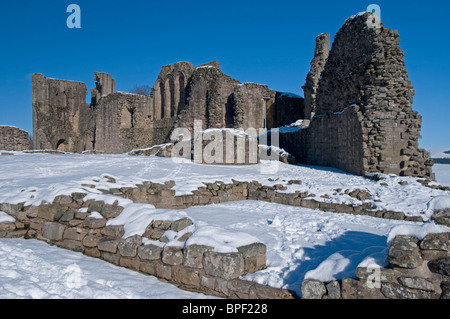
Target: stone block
{"points": [[416, 283], [94, 223], [108, 245], [440, 266], [186, 276], [254, 257], [74, 245], [181, 224], [67, 216], [208, 282], [110, 257], [111, 211], [48, 212], [442, 217], [62, 200], [161, 224], [91, 240], [163, 271], [148, 267], [313, 289], [96, 206], [334, 290], [128, 246], [75, 233], [397, 291], [193, 255], [150, 252], [115, 231], [92, 252], [223, 265], [436, 242], [53, 231], [132, 263], [404, 252], [172, 255]]}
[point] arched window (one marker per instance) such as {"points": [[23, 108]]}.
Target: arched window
{"points": [[158, 100], [179, 93], [61, 145], [168, 98]]}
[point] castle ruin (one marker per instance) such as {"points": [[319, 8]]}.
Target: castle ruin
{"points": [[358, 99], [117, 122]]}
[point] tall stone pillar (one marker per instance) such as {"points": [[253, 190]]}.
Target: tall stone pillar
{"points": [[321, 53]]}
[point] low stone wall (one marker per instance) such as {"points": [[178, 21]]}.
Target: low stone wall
{"points": [[72, 223], [14, 139], [67, 222], [163, 196], [418, 269]]}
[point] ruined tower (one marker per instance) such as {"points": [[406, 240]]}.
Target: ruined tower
{"points": [[363, 122], [61, 116]]}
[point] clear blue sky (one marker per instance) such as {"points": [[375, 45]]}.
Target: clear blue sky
{"points": [[266, 42]]}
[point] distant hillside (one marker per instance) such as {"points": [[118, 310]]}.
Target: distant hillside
{"points": [[440, 155]]}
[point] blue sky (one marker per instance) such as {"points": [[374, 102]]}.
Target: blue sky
{"points": [[266, 42]]}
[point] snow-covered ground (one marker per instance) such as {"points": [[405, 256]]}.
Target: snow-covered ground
{"points": [[301, 243], [34, 269], [439, 152], [442, 172], [31, 178]]}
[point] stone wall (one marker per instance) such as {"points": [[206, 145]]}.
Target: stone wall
{"points": [[417, 269], [61, 116], [104, 85], [80, 225], [364, 83], [117, 122], [122, 123], [14, 139]]}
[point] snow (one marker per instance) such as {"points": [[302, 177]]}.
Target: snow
{"points": [[11, 126], [442, 172], [32, 178], [136, 217], [223, 241], [32, 269], [301, 243], [4, 217], [439, 152], [95, 215], [205, 67], [304, 243], [418, 231]]}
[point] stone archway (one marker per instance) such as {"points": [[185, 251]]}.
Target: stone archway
{"points": [[61, 145]]}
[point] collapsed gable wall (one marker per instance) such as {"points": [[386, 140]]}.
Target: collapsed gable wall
{"points": [[364, 121]]}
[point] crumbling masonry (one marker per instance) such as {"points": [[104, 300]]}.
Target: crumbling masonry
{"points": [[357, 96]]}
